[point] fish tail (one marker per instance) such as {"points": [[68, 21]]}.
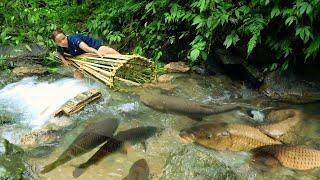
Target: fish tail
{"points": [[55, 164], [48, 168], [78, 172]]}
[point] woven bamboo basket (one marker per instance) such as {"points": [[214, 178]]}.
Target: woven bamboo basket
{"points": [[115, 70]]}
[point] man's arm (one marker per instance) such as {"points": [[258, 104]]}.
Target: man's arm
{"points": [[63, 59], [87, 48]]}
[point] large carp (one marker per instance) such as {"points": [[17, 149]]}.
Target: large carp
{"points": [[132, 136], [294, 157], [287, 122], [185, 107], [138, 171], [94, 135], [222, 136]]}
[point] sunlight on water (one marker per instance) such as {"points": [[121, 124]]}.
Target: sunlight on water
{"points": [[37, 101]]}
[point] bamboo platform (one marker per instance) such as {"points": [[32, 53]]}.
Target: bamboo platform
{"points": [[77, 103], [115, 70]]}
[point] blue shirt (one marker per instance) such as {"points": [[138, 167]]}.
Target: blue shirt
{"points": [[73, 44]]}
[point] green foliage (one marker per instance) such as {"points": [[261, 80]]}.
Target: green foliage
{"points": [[3, 63], [159, 28]]}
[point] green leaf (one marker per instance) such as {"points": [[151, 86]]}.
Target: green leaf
{"points": [[252, 43], [285, 65], [194, 54], [313, 49], [28, 47], [275, 12], [197, 20], [290, 20], [273, 66], [232, 38]]}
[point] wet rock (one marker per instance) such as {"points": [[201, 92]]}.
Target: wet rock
{"points": [[165, 78], [39, 137], [199, 70], [23, 54], [29, 70], [191, 162], [286, 86], [46, 135], [176, 67]]}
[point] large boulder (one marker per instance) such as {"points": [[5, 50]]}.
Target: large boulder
{"points": [[23, 54], [289, 87]]}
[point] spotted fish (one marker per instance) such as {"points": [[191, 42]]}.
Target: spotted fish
{"points": [[222, 136], [294, 157]]}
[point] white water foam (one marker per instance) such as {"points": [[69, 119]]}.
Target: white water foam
{"points": [[37, 101]]}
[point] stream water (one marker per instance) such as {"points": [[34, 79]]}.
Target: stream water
{"points": [[30, 103]]}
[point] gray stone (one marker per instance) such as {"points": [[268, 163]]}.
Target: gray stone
{"points": [[289, 87]]}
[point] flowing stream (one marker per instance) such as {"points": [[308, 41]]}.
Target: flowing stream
{"points": [[30, 103]]}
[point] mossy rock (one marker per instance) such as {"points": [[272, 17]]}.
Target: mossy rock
{"points": [[12, 164], [193, 162]]}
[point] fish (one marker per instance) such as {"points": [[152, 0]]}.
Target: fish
{"points": [[290, 156], [181, 106], [223, 136], [138, 171], [94, 135], [117, 142], [291, 120]]}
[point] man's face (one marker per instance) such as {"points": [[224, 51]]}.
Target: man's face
{"points": [[61, 40]]}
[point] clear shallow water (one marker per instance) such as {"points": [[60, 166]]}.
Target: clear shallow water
{"points": [[167, 156], [33, 102]]}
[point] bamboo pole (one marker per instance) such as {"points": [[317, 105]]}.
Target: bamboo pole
{"points": [[100, 70], [108, 60], [127, 81], [99, 76], [93, 64]]}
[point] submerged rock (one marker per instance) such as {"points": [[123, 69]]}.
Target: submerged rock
{"points": [[190, 162], [40, 136], [286, 86], [165, 78]]}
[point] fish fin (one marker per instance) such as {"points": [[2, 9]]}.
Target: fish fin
{"points": [[144, 145], [196, 118], [78, 172], [126, 148]]}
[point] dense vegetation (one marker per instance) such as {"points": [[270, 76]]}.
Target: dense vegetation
{"points": [[183, 29]]}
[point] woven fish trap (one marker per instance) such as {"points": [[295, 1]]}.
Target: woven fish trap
{"points": [[115, 70]]}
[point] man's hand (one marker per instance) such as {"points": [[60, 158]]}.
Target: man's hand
{"points": [[65, 62], [99, 54]]}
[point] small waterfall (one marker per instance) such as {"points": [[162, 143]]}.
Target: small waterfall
{"points": [[35, 101]]}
